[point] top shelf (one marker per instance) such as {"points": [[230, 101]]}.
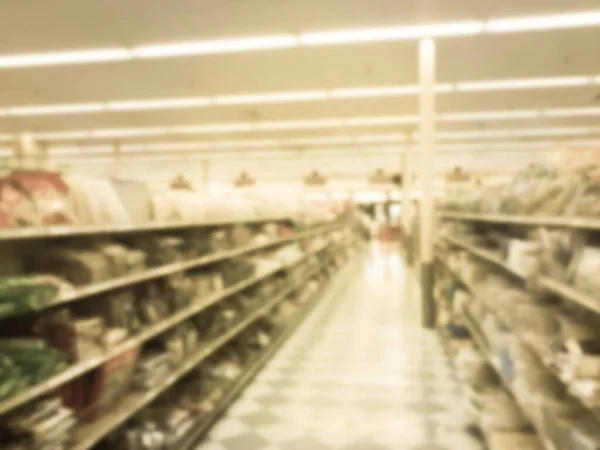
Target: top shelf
{"points": [[11, 234], [532, 221]]}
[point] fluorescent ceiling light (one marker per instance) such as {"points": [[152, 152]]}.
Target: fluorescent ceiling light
{"points": [[383, 120], [473, 134], [581, 19], [51, 110], [284, 97], [216, 46], [165, 146], [556, 131], [68, 57], [174, 49], [318, 140], [374, 138], [129, 132], [489, 115], [216, 128], [277, 97], [391, 33], [299, 124], [80, 150], [167, 103], [382, 91], [316, 123], [62, 135], [527, 83], [444, 88], [572, 112], [246, 144]]}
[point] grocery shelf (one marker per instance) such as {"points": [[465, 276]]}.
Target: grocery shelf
{"points": [[150, 332], [534, 346], [205, 422], [532, 221], [87, 435], [481, 343], [570, 293], [76, 294], [59, 231], [483, 255]]}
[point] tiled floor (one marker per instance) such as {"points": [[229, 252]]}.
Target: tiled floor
{"points": [[360, 374]]}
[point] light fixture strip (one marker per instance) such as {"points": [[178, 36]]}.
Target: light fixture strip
{"points": [[475, 116], [310, 39], [296, 96], [372, 139]]}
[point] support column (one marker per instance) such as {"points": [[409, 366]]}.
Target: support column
{"points": [[427, 173], [407, 207]]}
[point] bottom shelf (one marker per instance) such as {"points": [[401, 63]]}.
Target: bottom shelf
{"points": [[207, 421]]}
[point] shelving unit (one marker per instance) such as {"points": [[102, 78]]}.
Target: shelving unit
{"points": [[527, 221], [535, 285], [152, 331], [204, 423], [89, 434]]}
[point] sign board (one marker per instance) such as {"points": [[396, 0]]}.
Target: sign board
{"points": [[315, 179], [380, 177], [181, 183], [244, 180]]}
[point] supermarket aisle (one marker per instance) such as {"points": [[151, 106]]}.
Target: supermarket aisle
{"points": [[359, 375]]}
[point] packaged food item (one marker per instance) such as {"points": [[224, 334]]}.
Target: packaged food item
{"points": [[587, 274], [35, 198], [523, 256], [27, 293]]}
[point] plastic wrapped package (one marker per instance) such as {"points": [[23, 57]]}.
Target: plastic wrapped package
{"points": [[47, 192], [536, 317], [585, 203], [538, 379], [474, 370], [557, 251], [46, 424], [27, 293], [77, 266], [523, 256], [165, 208], [578, 327], [95, 201], [587, 273], [136, 199], [500, 412]]}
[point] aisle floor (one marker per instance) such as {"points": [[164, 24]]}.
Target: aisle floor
{"points": [[359, 374]]}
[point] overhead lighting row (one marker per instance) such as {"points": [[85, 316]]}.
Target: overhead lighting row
{"points": [[298, 96], [354, 122], [371, 151], [310, 39], [559, 132]]}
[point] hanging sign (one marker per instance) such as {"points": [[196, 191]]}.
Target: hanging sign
{"points": [[457, 176], [380, 177], [315, 179], [181, 183], [244, 180]]}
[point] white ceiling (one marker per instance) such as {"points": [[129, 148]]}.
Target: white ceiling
{"points": [[37, 27]]}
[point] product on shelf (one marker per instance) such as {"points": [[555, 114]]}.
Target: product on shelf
{"points": [[124, 346], [46, 424]]}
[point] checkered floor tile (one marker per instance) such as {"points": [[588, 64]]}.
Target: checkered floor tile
{"points": [[359, 374]]}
